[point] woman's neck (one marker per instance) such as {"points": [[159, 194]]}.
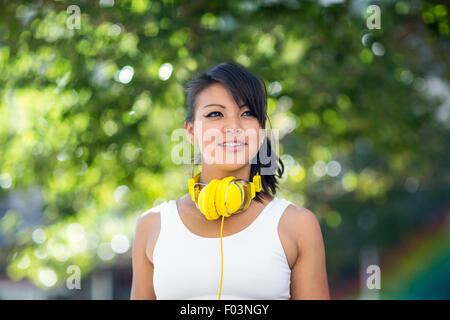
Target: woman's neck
{"points": [[210, 172]]}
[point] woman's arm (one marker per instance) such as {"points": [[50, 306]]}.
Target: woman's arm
{"points": [[142, 284], [308, 275]]}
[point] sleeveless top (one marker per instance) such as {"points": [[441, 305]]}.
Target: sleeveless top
{"points": [[188, 266]]}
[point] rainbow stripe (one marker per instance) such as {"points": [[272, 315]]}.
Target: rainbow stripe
{"points": [[419, 268]]}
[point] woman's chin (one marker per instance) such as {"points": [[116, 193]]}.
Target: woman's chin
{"points": [[231, 167]]}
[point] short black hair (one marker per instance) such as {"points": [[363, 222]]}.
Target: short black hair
{"points": [[246, 88]]}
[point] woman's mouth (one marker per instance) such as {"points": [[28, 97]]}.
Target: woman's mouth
{"points": [[233, 146]]}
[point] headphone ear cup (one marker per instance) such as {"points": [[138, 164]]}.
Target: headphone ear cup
{"points": [[206, 200], [230, 200], [220, 196]]}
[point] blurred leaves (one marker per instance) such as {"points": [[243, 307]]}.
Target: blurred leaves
{"points": [[87, 115]]}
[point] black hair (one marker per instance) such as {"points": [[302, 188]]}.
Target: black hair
{"points": [[248, 88]]}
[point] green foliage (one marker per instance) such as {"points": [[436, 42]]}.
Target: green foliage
{"points": [[87, 114]]}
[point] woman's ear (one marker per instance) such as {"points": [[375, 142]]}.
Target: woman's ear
{"points": [[189, 130]]}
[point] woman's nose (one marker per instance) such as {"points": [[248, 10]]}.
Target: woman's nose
{"points": [[233, 130]]}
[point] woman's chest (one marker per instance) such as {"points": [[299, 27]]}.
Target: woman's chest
{"points": [[286, 239]]}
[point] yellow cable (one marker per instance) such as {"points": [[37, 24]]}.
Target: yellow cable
{"points": [[221, 257]]}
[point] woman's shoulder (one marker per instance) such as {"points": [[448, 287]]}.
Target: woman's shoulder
{"points": [[152, 214], [301, 222], [294, 208], [151, 218], [298, 216], [156, 210]]}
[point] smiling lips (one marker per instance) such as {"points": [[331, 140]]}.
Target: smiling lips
{"points": [[233, 145]]}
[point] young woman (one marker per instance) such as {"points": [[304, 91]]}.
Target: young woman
{"points": [[271, 250]]}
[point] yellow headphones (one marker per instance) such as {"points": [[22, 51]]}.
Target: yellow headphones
{"points": [[223, 197]]}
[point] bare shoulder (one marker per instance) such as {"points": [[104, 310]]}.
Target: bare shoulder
{"points": [[149, 216], [142, 283], [303, 224], [301, 215], [147, 221]]}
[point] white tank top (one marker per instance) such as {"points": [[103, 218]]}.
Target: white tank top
{"points": [[187, 266]]}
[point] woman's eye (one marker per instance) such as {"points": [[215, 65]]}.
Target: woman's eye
{"points": [[210, 114]]}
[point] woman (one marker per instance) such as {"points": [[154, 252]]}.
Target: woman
{"points": [[271, 250]]}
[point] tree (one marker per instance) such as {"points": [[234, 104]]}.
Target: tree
{"points": [[87, 116]]}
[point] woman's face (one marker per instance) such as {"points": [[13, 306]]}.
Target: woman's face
{"points": [[216, 114]]}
